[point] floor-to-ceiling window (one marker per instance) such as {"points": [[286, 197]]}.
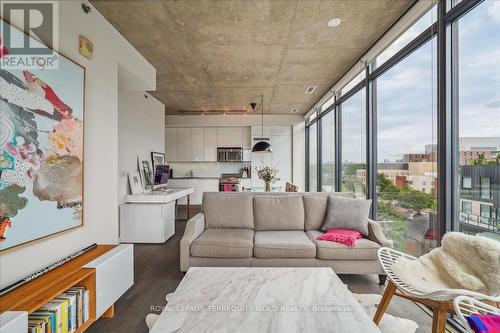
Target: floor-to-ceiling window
{"points": [[328, 152], [353, 152], [407, 151], [417, 122], [478, 147], [313, 157]]}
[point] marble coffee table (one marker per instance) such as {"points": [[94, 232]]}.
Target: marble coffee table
{"points": [[254, 299]]}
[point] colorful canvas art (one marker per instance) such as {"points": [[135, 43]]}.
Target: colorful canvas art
{"points": [[41, 150]]}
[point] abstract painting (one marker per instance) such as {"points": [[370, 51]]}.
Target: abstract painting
{"points": [[41, 150]]}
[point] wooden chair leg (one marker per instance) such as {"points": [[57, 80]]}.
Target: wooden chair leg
{"points": [[384, 302], [439, 316]]}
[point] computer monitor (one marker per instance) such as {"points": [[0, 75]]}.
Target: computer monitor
{"points": [[161, 176]]}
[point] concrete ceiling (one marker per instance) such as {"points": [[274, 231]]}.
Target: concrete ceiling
{"points": [[223, 54]]}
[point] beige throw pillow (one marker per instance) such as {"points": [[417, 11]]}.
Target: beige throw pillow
{"points": [[347, 213]]}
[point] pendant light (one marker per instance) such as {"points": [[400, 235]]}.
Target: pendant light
{"points": [[261, 146]]}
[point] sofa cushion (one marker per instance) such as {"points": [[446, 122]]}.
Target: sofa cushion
{"points": [[347, 213], [278, 212], [315, 210], [228, 210], [364, 249], [283, 244], [223, 243]]}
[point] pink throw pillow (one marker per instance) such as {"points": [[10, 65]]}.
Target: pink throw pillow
{"points": [[343, 236]]}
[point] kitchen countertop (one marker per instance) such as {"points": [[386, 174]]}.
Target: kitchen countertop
{"points": [[202, 177]]}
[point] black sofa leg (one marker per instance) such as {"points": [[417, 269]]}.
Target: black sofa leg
{"points": [[381, 279]]}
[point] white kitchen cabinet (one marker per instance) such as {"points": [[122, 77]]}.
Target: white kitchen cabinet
{"points": [[257, 132], [184, 144], [204, 185], [199, 185], [282, 156], [183, 182], [281, 130], [229, 137], [197, 144], [247, 137], [171, 144], [210, 144]]}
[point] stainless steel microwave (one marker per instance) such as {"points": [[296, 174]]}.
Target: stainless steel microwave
{"points": [[229, 154]]}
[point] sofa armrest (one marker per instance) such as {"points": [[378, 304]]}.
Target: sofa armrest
{"points": [[194, 228], [377, 235]]}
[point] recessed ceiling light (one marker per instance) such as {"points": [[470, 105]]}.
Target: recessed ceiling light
{"points": [[295, 109], [310, 89], [334, 22]]}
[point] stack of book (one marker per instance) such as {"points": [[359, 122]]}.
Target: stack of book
{"points": [[64, 314]]}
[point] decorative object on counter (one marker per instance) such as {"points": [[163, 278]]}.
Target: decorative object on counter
{"points": [[147, 174], [291, 188], [41, 146], [262, 146], [134, 180], [268, 175], [157, 159], [85, 48], [45, 270], [245, 172]]}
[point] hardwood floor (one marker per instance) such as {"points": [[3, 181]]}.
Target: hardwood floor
{"points": [[157, 274]]}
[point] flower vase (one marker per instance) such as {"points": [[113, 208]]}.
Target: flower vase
{"points": [[268, 187]]}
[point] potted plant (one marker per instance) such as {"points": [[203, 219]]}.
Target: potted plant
{"points": [[268, 175]]}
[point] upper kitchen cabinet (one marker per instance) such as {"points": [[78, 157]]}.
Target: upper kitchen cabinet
{"points": [[281, 130], [171, 144], [257, 131], [247, 137], [210, 142], [197, 144], [184, 145], [230, 137]]}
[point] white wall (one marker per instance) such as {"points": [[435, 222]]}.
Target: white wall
{"points": [[101, 139], [140, 131], [299, 156]]}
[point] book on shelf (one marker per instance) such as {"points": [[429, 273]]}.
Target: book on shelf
{"points": [[64, 314]]}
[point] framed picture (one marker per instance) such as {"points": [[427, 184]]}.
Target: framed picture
{"points": [[148, 176], [157, 159], [41, 148], [134, 180]]}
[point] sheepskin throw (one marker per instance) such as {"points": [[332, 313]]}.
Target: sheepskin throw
{"points": [[462, 262]]}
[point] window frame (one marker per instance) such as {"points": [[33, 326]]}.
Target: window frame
{"points": [[463, 183], [487, 190], [445, 30]]}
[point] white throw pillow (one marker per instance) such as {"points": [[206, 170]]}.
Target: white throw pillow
{"points": [[347, 213]]}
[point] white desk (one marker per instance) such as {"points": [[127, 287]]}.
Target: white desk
{"points": [[149, 217]]}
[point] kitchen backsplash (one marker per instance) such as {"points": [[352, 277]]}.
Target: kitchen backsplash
{"points": [[208, 169]]}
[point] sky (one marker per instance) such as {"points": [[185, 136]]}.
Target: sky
{"points": [[407, 117]]}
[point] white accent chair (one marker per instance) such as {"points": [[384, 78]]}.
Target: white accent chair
{"points": [[441, 301], [466, 306]]}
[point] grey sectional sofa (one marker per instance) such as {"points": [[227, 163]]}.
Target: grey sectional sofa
{"points": [[273, 229]]}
